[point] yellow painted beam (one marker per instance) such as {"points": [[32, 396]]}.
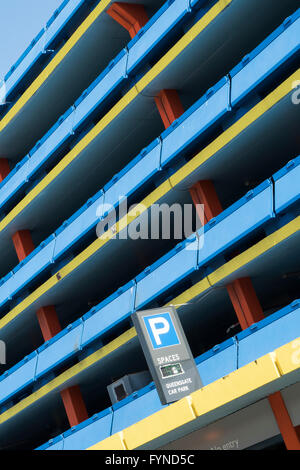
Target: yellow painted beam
{"points": [[56, 61], [285, 364], [264, 371], [117, 109]]}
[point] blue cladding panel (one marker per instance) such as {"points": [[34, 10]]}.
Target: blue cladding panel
{"points": [[136, 410], [251, 214], [52, 353], [169, 15], [109, 315], [204, 113], [167, 274], [87, 436], [287, 187], [218, 364], [163, 24], [53, 141], [39, 155], [19, 378], [263, 64], [33, 267], [14, 181], [266, 339], [54, 444]]}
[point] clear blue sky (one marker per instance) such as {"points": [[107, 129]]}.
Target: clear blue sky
{"points": [[20, 22]]}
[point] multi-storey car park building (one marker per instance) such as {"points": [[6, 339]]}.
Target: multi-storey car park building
{"points": [[186, 102]]}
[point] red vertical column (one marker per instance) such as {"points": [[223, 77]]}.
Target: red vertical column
{"points": [[50, 326], [248, 310], [129, 15], [4, 168]]}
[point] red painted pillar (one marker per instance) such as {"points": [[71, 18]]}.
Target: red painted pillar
{"points": [[23, 243], [129, 15], [169, 106], [48, 321], [4, 168], [248, 310], [71, 396], [50, 326]]}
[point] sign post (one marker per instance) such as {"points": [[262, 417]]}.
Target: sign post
{"points": [[167, 353]]}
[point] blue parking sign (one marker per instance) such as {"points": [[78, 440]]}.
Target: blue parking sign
{"points": [[161, 330]]}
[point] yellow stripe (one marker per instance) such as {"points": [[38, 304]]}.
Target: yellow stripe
{"points": [[265, 370], [116, 110], [239, 261], [32, 89], [182, 43], [186, 297]]}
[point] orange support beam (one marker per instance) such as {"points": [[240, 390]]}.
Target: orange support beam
{"points": [[247, 308], [245, 302], [72, 398], [74, 405], [169, 106], [129, 15], [4, 168], [289, 433], [23, 243], [48, 321]]}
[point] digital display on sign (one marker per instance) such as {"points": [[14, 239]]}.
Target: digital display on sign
{"points": [[167, 353]]}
